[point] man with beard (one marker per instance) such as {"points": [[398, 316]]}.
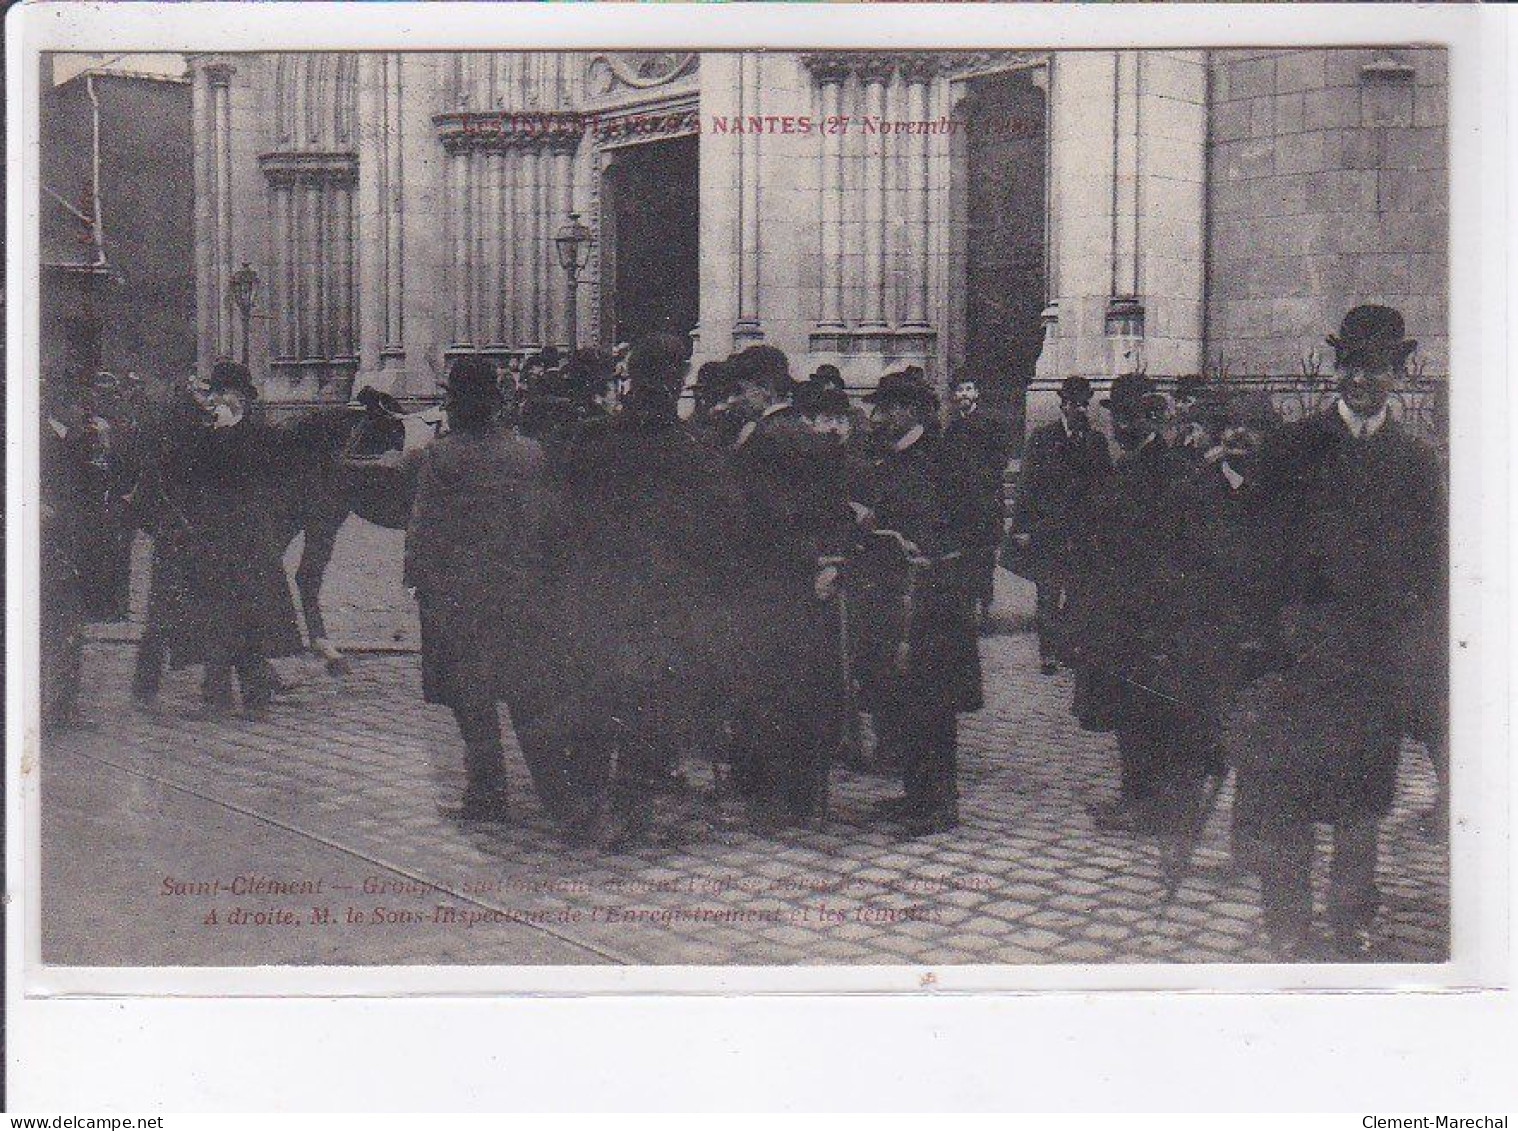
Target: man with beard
{"points": [[1319, 741], [981, 443], [648, 557], [477, 558], [796, 523], [922, 665], [1120, 624], [1066, 467]]}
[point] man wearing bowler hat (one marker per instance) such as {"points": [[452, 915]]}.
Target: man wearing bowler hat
{"points": [[1065, 467], [647, 562], [235, 612], [1318, 742], [920, 660], [1119, 619], [477, 558], [796, 523]]}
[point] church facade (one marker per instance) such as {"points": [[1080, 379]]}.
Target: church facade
{"points": [[1019, 215]]}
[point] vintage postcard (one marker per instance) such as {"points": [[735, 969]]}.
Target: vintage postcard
{"points": [[970, 511]]}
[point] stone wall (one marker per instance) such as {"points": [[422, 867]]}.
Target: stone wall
{"points": [[1328, 188]]}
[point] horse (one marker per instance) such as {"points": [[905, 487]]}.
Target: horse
{"points": [[315, 494], [312, 493]]}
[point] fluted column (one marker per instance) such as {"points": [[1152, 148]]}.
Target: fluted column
{"points": [[495, 298], [276, 258], [1125, 160], [875, 74], [747, 327], [218, 182], [511, 233], [918, 74], [347, 348], [548, 293], [531, 273], [563, 206], [831, 78], [391, 204], [483, 226], [458, 190]]}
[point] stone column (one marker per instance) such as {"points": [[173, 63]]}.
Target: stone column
{"points": [[1126, 163], [278, 291], [563, 206], [347, 345], [458, 206], [917, 71], [876, 74], [511, 240], [747, 327], [527, 276], [831, 75], [483, 227], [393, 348], [218, 182], [532, 301], [542, 262]]}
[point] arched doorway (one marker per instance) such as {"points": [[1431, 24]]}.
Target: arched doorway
{"points": [[650, 234], [1000, 205]]}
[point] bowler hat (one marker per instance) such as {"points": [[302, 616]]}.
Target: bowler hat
{"points": [[472, 378], [818, 399], [1076, 389], [828, 375], [377, 401], [1132, 392], [901, 388], [1191, 387], [762, 365], [232, 375], [656, 363], [1372, 335], [714, 380]]}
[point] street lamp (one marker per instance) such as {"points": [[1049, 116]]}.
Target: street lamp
{"points": [[243, 287], [573, 244]]}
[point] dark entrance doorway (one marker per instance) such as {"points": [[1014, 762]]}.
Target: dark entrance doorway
{"points": [[650, 279], [1001, 161]]}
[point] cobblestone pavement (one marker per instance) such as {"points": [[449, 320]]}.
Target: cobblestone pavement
{"points": [[348, 783]]}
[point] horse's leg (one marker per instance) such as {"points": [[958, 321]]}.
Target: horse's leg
{"points": [[321, 539]]}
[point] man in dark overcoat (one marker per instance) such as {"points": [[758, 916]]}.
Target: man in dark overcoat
{"points": [[1119, 621], [166, 435], [1066, 466], [981, 442], [64, 457], [647, 558], [1222, 541], [237, 612], [478, 558], [921, 663], [796, 524], [1318, 742]]}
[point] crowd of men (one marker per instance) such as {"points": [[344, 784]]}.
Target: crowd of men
{"points": [[1237, 592], [641, 587]]}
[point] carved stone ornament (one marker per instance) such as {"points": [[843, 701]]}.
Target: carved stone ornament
{"points": [[495, 130], [284, 170], [639, 70], [917, 66]]}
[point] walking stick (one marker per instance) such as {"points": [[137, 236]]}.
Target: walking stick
{"points": [[850, 741]]}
